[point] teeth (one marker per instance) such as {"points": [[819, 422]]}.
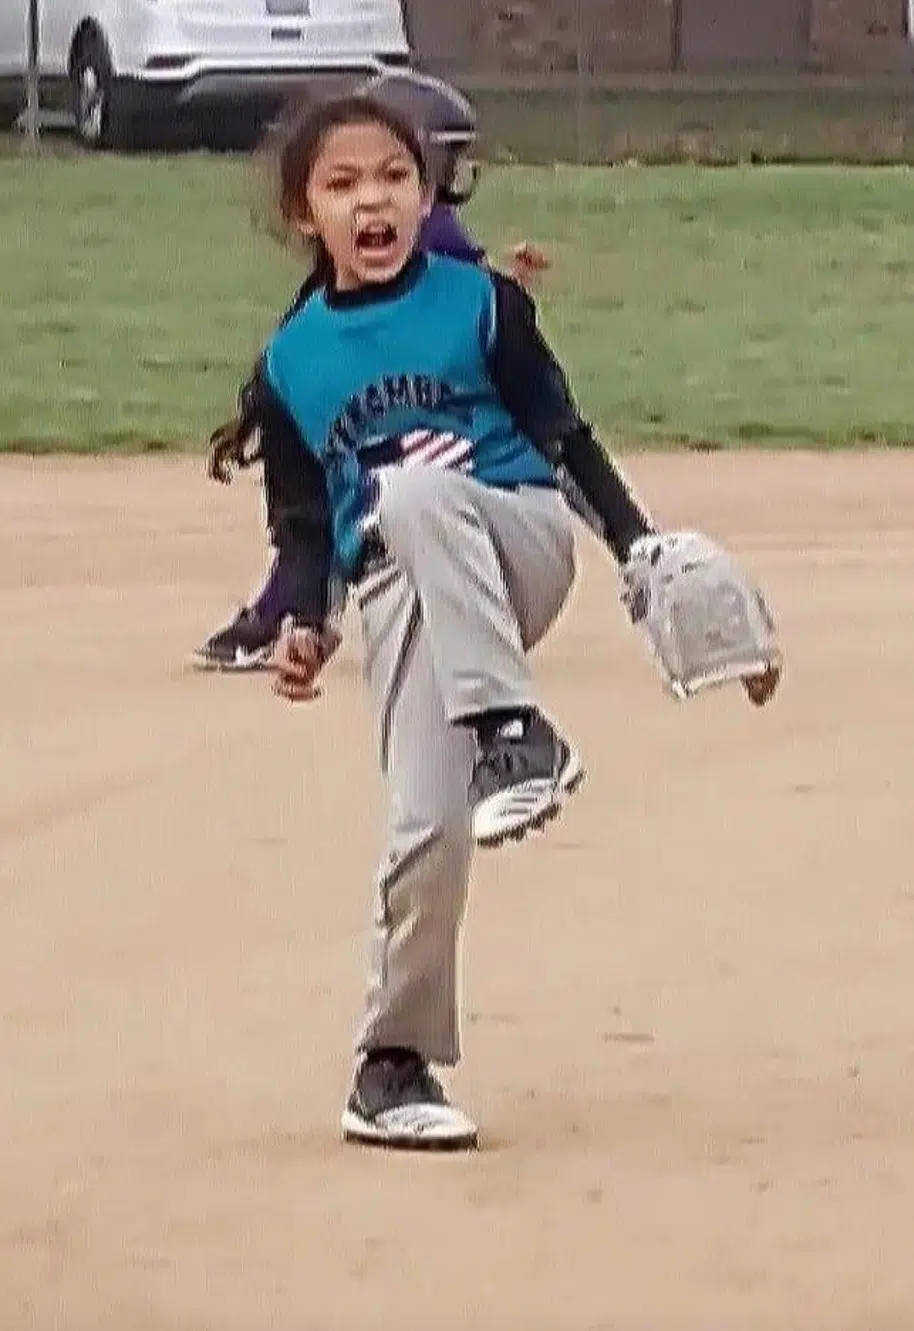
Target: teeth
{"points": [[377, 235]]}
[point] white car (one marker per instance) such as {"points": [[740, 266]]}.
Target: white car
{"points": [[229, 64]]}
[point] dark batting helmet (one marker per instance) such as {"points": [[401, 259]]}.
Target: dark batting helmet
{"points": [[446, 120]]}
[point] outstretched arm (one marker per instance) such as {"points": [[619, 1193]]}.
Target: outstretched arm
{"points": [[722, 630], [308, 643]]}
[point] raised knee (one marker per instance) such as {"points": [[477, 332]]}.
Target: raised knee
{"points": [[410, 496]]}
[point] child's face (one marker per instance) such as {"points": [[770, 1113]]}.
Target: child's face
{"points": [[366, 202]]}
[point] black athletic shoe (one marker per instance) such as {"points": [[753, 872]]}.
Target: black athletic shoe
{"points": [[397, 1103], [245, 644], [521, 777]]}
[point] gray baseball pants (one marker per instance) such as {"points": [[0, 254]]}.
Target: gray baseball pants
{"points": [[477, 577]]}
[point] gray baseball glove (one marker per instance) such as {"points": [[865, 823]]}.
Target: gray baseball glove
{"points": [[706, 623]]}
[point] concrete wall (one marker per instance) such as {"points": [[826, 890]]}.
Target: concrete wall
{"points": [[734, 35], [859, 34], [542, 37]]}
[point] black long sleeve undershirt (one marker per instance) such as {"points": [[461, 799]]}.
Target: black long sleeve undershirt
{"points": [[533, 387], [310, 526]]}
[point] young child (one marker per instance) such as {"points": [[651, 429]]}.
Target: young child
{"points": [[449, 124], [431, 417]]}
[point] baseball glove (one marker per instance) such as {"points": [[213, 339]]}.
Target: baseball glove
{"points": [[706, 623]]}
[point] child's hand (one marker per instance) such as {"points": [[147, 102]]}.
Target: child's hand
{"points": [[528, 261], [298, 659], [761, 688]]}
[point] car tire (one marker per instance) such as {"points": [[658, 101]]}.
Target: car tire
{"points": [[92, 83]]}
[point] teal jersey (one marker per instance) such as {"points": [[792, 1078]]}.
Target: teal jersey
{"points": [[401, 377]]}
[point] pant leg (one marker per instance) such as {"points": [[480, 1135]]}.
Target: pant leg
{"points": [[534, 540], [491, 569], [413, 993], [498, 594]]}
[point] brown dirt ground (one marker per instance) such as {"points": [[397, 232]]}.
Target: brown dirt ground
{"points": [[688, 1012]]}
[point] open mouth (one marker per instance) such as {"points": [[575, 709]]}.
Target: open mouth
{"points": [[376, 238]]}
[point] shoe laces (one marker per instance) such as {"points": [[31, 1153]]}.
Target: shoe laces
{"points": [[506, 756], [500, 759], [409, 1074]]}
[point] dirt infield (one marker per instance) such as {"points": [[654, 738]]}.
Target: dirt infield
{"points": [[688, 1012]]}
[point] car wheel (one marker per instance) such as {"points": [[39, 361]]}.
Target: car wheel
{"points": [[92, 80]]}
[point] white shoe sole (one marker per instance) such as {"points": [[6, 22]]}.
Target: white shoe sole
{"points": [[248, 663], [510, 815], [413, 1128]]}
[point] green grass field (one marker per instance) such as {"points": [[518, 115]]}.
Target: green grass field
{"points": [[746, 305]]}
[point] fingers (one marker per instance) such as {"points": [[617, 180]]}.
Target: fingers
{"points": [[297, 662], [761, 688], [527, 264], [295, 687], [293, 691], [294, 682], [531, 256], [294, 668]]}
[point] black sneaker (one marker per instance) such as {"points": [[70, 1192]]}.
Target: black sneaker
{"points": [[521, 777], [245, 644], [397, 1103]]}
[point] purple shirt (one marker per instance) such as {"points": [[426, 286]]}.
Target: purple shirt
{"points": [[442, 233]]}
